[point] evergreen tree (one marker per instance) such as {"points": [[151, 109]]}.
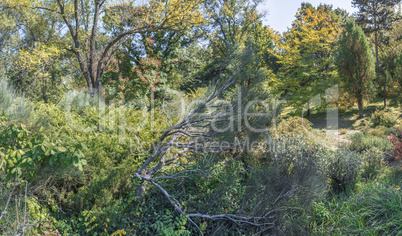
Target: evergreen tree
{"points": [[355, 63], [375, 16]]}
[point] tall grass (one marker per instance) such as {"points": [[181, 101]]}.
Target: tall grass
{"points": [[374, 208]]}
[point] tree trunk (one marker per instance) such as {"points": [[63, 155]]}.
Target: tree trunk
{"points": [[308, 109], [385, 91], [360, 105], [377, 63]]}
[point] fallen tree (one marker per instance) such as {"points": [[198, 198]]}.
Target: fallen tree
{"points": [[215, 127]]}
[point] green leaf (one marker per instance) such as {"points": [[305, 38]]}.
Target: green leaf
{"points": [[10, 163], [75, 159], [84, 146], [51, 160], [80, 166], [47, 153], [61, 149]]}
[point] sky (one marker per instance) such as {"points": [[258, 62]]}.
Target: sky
{"points": [[281, 13]]}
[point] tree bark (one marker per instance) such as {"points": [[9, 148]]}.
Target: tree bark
{"points": [[377, 63], [360, 105], [385, 91]]}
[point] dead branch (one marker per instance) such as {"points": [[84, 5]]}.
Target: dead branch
{"points": [[195, 126], [265, 221], [9, 198]]}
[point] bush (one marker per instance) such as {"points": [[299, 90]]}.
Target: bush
{"points": [[383, 118], [7, 95], [379, 131], [13, 106], [343, 168], [361, 142], [300, 128], [373, 162], [396, 140]]}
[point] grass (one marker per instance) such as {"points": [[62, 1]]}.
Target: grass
{"points": [[374, 208], [348, 119]]}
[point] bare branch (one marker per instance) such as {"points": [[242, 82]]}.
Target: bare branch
{"points": [[9, 198], [266, 221]]}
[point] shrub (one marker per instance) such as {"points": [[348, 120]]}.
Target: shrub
{"points": [[7, 95], [170, 225], [396, 140], [300, 128], [343, 131], [383, 118], [13, 106], [77, 100], [379, 131], [361, 142], [343, 168], [373, 161]]}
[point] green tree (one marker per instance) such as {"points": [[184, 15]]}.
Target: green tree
{"points": [[234, 25], [355, 63], [146, 64], [31, 51], [375, 16], [96, 29], [306, 56], [392, 54]]}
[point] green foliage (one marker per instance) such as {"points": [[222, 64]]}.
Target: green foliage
{"points": [[383, 118], [379, 131], [12, 105], [355, 63], [361, 142], [375, 208], [79, 153], [169, 225], [343, 168], [369, 12], [306, 57], [24, 152], [7, 96], [373, 161], [297, 127]]}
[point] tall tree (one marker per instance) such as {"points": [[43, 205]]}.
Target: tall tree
{"points": [[392, 53], [31, 49], [96, 29], [233, 25], [306, 56], [374, 16], [144, 65], [231, 22], [355, 63]]}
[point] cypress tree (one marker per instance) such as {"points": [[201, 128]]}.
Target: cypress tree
{"points": [[374, 16], [355, 63]]}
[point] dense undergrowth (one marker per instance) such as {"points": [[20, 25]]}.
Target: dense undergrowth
{"points": [[68, 169]]}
